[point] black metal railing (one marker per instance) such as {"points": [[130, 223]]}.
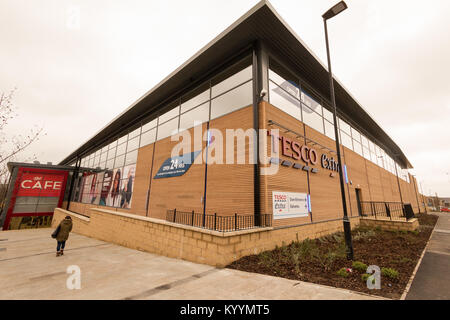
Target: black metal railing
{"points": [[217, 222], [383, 210]]}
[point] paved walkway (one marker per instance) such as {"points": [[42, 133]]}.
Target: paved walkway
{"points": [[432, 280], [30, 270]]}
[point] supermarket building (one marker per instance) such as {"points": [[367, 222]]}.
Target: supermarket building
{"points": [[206, 206]]}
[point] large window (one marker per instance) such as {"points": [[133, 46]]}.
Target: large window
{"points": [[312, 119], [232, 89], [345, 132], [108, 172], [111, 182], [286, 94], [346, 140], [328, 123], [329, 130], [283, 100], [167, 129], [232, 100], [224, 83]]}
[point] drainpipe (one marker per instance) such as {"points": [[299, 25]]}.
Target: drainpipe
{"points": [[72, 181]]}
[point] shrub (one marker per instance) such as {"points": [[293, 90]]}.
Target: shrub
{"points": [[341, 249], [296, 262], [357, 265], [337, 237], [306, 248], [366, 276], [342, 273], [401, 260], [266, 259], [390, 273], [362, 233], [330, 256]]}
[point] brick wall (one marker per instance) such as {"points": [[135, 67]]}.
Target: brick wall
{"points": [[409, 225], [230, 187], [186, 242]]}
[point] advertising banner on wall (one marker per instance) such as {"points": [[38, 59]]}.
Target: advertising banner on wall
{"points": [[114, 198], [127, 186], [289, 205], [176, 166], [106, 187], [86, 195]]}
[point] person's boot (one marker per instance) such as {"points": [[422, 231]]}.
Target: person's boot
{"points": [[62, 252], [58, 253]]}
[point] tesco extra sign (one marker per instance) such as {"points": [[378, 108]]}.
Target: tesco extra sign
{"points": [[43, 185]]}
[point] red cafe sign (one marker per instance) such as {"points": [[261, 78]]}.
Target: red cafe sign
{"points": [[42, 185]]}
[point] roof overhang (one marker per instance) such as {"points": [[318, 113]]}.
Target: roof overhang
{"points": [[12, 165], [261, 23]]}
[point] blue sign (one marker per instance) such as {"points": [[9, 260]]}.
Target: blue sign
{"points": [[345, 172], [176, 166]]}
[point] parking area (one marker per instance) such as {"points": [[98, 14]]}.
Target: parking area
{"points": [[29, 269]]}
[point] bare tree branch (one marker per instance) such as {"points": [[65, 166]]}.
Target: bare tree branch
{"points": [[20, 146], [14, 144]]}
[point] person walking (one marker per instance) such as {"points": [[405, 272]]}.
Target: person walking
{"points": [[62, 234]]}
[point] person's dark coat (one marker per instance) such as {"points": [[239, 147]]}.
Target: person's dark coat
{"points": [[66, 227]]}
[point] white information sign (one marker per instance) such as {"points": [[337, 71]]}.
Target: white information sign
{"points": [[289, 205]]}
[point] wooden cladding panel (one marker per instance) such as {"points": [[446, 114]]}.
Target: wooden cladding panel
{"points": [[286, 179], [325, 190], [373, 174], [230, 186], [184, 192], [357, 176]]}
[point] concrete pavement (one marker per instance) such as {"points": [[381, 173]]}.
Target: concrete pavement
{"points": [[30, 270], [432, 280]]}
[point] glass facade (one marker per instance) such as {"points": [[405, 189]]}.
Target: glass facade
{"points": [[289, 94], [109, 179]]}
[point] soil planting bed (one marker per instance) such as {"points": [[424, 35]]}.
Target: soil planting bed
{"points": [[319, 260]]}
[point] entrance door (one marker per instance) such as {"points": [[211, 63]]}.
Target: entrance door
{"points": [[358, 200]]}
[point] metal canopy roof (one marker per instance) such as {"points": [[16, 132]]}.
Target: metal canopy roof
{"points": [[262, 23]]}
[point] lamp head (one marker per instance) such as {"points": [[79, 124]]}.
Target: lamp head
{"points": [[335, 10]]}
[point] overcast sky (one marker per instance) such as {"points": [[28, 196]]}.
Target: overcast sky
{"points": [[74, 76]]}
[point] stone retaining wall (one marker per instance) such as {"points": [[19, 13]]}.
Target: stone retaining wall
{"points": [[186, 242], [393, 225]]}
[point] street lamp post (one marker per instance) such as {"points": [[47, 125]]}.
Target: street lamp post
{"points": [[423, 199], [416, 191], [338, 8]]}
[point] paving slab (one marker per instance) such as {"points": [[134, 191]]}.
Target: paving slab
{"points": [[432, 280], [29, 269]]}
